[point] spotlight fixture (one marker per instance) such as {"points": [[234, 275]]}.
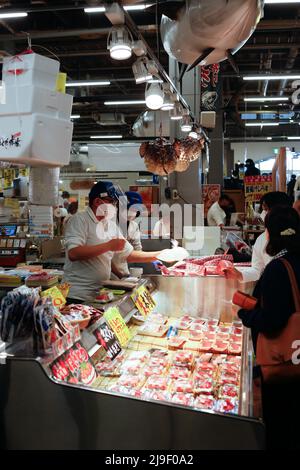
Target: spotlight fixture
{"points": [[154, 96], [177, 112], [169, 98], [119, 43], [186, 125], [140, 71], [193, 134]]}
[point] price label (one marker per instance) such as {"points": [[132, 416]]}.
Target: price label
{"points": [[143, 300], [117, 324], [106, 337], [55, 294]]}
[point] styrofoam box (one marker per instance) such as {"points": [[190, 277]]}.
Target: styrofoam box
{"points": [[30, 69], [38, 140], [29, 99]]}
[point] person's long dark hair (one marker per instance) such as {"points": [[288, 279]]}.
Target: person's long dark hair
{"points": [[283, 225]]}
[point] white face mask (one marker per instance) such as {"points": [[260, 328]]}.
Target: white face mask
{"points": [[263, 215], [106, 211]]}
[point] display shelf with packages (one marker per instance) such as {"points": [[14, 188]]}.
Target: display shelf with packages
{"points": [[202, 394]]}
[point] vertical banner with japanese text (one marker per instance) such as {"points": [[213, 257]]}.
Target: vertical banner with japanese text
{"points": [[211, 89]]}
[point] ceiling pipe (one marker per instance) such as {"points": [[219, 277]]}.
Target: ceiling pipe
{"points": [[268, 67], [289, 66]]}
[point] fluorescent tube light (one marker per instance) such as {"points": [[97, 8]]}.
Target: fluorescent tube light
{"points": [[271, 77], [294, 138], [277, 2], [8, 15], [261, 124], [88, 83], [75, 116], [107, 137], [102, 9], [95, 10], [262, 99], [120, 103]]}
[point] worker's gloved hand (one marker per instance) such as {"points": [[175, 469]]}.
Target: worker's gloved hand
{"points": [[117, 244]]}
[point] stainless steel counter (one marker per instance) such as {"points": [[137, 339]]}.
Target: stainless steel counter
{"points": [[57, 415]]}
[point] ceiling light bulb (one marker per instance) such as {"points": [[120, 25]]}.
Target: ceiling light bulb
{"points": [[140, 71], [119, 43], [168, 103], [177, 112], [186, 125], [193, 135], [154, 96]]}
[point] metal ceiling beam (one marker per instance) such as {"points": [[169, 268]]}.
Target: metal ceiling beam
{"points": [[69, 33], [268, 25]]}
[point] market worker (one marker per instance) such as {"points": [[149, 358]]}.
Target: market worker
{"points": [[260, 258], [91, 239], [216, 215], [131, 231]]}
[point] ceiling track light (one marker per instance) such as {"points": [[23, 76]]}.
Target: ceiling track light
{"points": [[177, 113], [140, 71], [154, 96], [186, 125], [169, 98], [194, 134], [119, 43]]}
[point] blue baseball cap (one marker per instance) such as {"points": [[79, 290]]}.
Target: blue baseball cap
{"points": [[104, 189]]}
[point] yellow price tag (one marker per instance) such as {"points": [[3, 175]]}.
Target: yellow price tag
{"points": [[143, 300], [117, 324], [58, 299]]}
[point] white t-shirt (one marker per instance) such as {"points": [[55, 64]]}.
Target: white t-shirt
{"points": [[259, 260], [85, 276], [215, 215], [134, 238]]}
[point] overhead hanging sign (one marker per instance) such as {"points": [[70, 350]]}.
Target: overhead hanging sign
{"points": [[211, 89]]}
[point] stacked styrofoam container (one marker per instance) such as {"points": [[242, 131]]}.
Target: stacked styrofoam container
{"points": [[35, 126]]}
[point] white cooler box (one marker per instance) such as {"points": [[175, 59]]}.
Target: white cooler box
{"points": [[35, 140], [27, 100], [30, 69]]}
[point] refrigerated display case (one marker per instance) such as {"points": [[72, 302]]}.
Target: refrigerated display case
{"points": [[38, 411]]}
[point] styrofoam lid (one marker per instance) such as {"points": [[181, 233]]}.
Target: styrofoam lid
{"points": [[174, 254]]}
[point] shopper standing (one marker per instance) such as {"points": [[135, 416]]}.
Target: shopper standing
{"points": [[275, 306], [260, 258], [291, 188], [251, 169]]}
